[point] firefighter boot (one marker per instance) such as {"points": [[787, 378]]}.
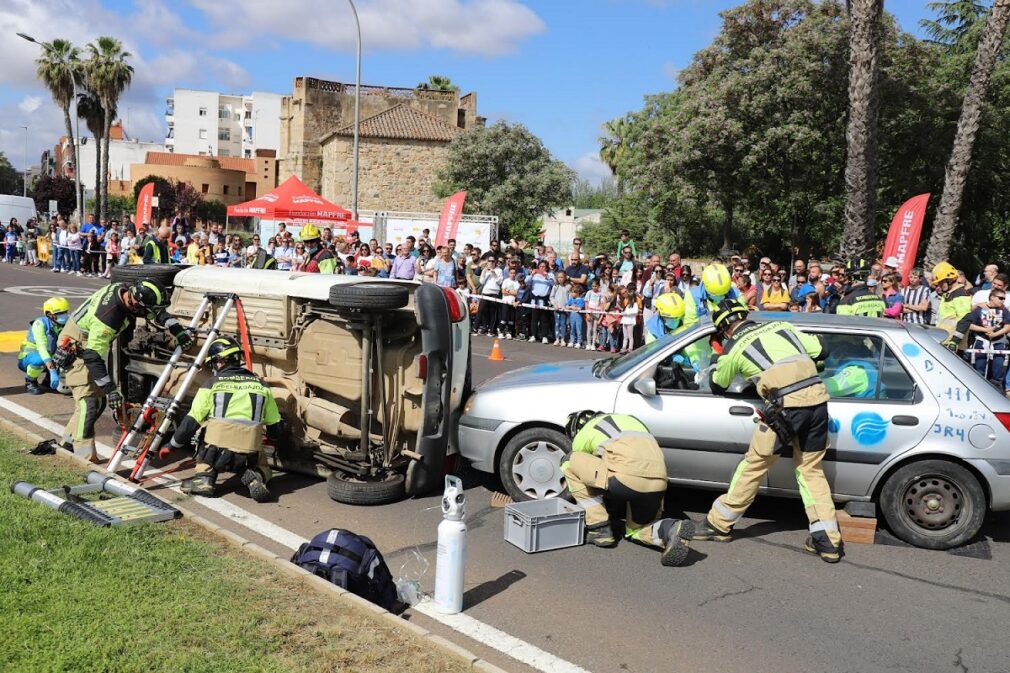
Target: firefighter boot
{"points": [[253, 480], [678, 543], [200, 484], [32, 387], [823, 548], [706, 531], [601, 536]]}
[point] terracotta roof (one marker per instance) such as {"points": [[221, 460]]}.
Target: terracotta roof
{"points": [[402, 122], [173, 159]]}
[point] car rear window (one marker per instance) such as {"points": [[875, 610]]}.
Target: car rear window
{"points": [[863, 367]]}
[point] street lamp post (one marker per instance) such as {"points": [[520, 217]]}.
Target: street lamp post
{"points": [[74, 142], [24, 190], [357, 112]]}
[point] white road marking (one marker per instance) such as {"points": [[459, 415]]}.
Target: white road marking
{"points": [[50, 290], [520, 650]]}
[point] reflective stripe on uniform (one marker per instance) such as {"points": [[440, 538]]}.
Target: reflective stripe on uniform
{"points": [[257, 408], [586, 503], [823, 525], [730, 515], [220, 405], [793, 338], [103, 382], [754, 354]]}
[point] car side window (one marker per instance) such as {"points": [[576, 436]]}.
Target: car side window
{"points": [[863, 367], [686, 368]]}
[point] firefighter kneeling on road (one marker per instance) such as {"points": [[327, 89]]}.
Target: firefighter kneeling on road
{"points": [[781, 360], [84, 348], [614, 456], [235, 405], [36, 354]]}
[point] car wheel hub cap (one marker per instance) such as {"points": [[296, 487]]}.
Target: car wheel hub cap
{"points": [[933, 503], [536, 470]]}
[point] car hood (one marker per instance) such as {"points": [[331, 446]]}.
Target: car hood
{"points": [[544, 374]]}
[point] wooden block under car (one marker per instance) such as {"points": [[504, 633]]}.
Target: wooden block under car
{"points": [[857, 530]]}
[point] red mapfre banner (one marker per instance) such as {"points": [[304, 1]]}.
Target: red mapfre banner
{"points": [[144, 204], [448, 221], [903, 237]]}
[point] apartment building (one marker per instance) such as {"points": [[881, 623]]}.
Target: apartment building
{"points": [[207, 123]]}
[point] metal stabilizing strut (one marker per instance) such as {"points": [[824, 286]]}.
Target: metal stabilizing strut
{"points": [[145, 448]]}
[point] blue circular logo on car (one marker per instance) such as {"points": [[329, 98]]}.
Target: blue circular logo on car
{"points": [[869, 428], [911, 350], [834, 425]]}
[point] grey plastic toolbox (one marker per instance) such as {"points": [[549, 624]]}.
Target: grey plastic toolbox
{"points": [[541, 525]]}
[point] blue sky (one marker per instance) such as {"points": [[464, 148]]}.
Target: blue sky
{"points": [[561, 67]]}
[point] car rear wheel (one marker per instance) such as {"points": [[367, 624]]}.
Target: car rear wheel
{"points": [[374, 296], [130, 273], [530, 465], [350, 490], [935, 504]]}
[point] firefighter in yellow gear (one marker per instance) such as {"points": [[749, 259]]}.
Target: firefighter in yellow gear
{"points": [[321, 260], [857, 297], [615, 458], [237, 409], [954, 314], [794, 421]]}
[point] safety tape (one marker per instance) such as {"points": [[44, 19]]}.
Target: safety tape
{"points": [[542, 307]]}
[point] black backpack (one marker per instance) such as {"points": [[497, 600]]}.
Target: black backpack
{"points": [[350, 561]]}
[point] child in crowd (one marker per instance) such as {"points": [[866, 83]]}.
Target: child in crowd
{"points": [[509, 292], [559, 302], [593, 300], [10, 244], [629, 317], [576, 304], [610, 320], [112, 252], [74, 246], [31, 249], [235, 255], [220, 255]]}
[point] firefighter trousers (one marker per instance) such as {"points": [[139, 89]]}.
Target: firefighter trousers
{"points": [[89, 403], [590, 482], [213, 459], [807, 457]]}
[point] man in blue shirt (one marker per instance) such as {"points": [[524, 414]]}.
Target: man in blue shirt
{"points": [[577, 272]]}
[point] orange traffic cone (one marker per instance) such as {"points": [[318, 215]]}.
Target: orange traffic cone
{"points": [[496, 353]]}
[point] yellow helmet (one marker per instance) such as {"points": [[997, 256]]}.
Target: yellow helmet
{"points": [[670, 305], [944, 271], [56, 305], [310, 232], [716, 280]]}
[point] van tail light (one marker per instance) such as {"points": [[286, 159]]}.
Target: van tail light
{"points": [[455, 305], [422, 367], [1004, 418]]}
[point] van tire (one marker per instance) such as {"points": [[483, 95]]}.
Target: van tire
{"points": [[957, 493], [374, 296], [351, 491], [131, 273]]}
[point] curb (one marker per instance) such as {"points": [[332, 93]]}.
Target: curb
{"points": [[293, 571]]}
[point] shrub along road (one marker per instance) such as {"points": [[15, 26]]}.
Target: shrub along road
{"points": [[756, 604]]}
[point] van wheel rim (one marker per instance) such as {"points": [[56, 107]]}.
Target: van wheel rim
{"points": [[934, 504], [536, 470]]}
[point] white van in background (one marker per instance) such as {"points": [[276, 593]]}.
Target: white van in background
{"points": [[21, 207]]}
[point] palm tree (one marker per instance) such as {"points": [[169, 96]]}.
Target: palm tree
{"points": [[89, 108], [108, 75], [861, 163], [57, 67], [967, 128], [438, 83], [613, 147]]}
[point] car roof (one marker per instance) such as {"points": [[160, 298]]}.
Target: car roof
{"points": [[828, 320]]}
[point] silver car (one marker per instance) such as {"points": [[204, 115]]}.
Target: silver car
{"points": [[926, 438]]}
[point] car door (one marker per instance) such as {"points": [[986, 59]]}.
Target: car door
{"points": [[703, 435], [869, 420]]}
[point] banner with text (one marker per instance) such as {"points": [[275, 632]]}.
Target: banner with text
{"points": [[448, 222], [903, 237], [144, 204]]}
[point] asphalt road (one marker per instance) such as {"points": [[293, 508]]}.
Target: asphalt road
{"points": [[756, 604]]}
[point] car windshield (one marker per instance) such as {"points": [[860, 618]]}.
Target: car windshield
{"points": [[614, 368]]}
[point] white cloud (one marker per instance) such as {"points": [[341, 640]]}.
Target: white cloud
{"points": [[483, 27], [671, 71], [590, 168], [30, 104]]}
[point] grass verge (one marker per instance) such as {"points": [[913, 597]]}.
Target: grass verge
{"points": [[166, 597]]}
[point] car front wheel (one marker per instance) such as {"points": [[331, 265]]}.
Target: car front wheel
{"points": [[530, 464], [935, 504]]}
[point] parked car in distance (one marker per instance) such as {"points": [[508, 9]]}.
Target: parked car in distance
{"points": [[927, 440]]}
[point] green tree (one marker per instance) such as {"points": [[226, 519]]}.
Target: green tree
{"points": [[968, 125], [108, 75], [89, 108], [211, 211], [614, 147], [186, 199], [10, 179], [861, 165], [506, 171], [57, 188], [587, 195], [57, 68], [438, 83]]}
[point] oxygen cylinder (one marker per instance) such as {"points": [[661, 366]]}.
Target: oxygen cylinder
{"points": [[451, 556]]}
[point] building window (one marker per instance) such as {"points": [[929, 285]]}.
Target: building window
{"points": [[249, 132], [248, 154], [226, 190], [240, 190], [224, 134], [203, 112], [224, 153], [203, 134], [222, 113], [238, 117], [205, 188]]}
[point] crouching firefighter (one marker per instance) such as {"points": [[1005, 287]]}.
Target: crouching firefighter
{"points": [[794, 421], [235, 405], [84, 348], [36, 354], [614, 457]]}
